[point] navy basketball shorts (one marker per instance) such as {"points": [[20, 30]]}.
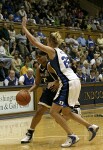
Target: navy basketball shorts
{"points": [[47, 97]]}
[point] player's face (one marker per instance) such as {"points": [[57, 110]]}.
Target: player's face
{"points": [[41, 59]]}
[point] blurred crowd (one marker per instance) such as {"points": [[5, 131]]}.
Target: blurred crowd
{"points": [[18, 61], [86, 56], [51, 13]]}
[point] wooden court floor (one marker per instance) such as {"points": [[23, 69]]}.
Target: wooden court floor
{"points": [[49, 135]]}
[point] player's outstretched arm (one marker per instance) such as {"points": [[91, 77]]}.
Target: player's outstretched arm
{"points": [[47, 49]]}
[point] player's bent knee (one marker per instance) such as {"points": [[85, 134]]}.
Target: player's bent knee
{"points": [[39, 112]]}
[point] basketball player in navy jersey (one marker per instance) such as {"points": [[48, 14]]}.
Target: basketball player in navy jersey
{"points": [[44, 75], [69, 85]]}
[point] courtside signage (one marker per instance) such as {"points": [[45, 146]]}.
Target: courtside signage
{"points": [[9, 105]]}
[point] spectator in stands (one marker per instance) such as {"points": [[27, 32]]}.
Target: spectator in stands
{"points": [[13, 49], [56, 21], [72, 52], [90, 42], [22, 43], [96, 22], [93, 26], [1, 16], [4, 34], [36, 17], [17, 17], [16, 64], [24, 68], [101, 57], [31, 19], [2, 49], [65, 48], [81, 76], [7, 52], [12, 34], [28, 6], [73, 42], [10, 18], [99, 77], [101, 72], [84, 24], [91, 52], [1, 3], [94, 59], [89, 26], [22, 12], [92, 75], [86, 68], [4, 56], [68, 22], [50, 17], [11, 80], [27, 79], [3, 71], [101, 26], [5, 14], [31, 60], [41, 34], [44, 2], [100, 41], [42, 22], [67, 38], [97, 48], [81, 40], [28, 60], [35, 66]]}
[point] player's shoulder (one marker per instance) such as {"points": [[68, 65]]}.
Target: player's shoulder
{"points": [[49, 67]]}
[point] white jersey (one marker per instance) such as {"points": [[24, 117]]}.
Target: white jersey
{"points": [[69, 84], [61, 65]]}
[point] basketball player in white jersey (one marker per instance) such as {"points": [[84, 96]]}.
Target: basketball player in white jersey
{"points": [[69, 85]]}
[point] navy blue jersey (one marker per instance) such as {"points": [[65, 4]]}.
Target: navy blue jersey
{"points": [[46, 76]]}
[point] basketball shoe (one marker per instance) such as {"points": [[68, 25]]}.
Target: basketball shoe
{"points": [[28, 137], [71, 139], [92, 131], [77, 110]]}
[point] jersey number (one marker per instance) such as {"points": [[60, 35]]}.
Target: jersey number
{"points": [[65, 61], [61, 103]]}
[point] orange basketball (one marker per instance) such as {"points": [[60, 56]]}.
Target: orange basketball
{"points": [[23, 97]]}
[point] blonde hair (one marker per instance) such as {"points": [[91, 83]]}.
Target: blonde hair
{"points": [[56, 38], [30, 69]]}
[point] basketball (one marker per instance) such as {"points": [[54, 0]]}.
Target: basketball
{"points": [[23, 97]]}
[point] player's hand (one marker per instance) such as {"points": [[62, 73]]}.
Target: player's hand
{"points": [[29, 91], [53, 86], [24, 21]]}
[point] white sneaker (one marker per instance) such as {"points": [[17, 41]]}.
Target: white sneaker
{"points": [[71, 139], [28, 137], [92, 131]]}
